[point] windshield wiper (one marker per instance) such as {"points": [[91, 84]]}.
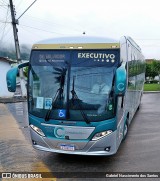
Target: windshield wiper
{"points": [[61, 72], [75, 97], [58, 93]]}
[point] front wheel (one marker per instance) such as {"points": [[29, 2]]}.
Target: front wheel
{"points": [[125, 129]]}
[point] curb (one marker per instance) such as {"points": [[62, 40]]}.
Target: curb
{"points": [[151, 92], [24, 99], [12, 100]]}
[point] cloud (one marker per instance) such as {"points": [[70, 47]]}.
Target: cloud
{"points": [[48, 19]]}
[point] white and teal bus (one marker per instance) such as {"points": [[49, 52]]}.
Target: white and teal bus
{"points": [[82, 93]]}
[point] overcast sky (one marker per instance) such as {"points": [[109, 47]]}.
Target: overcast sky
{"points": [[139, 19]]}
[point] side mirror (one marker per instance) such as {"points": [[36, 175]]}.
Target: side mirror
{"points": [[120, 80], [12, 75], [11, 79]]}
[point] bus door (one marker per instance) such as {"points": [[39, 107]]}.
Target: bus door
{"points": [[120, 117]]}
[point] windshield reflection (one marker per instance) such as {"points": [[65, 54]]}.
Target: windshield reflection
{"points": [[92, 88], [70, 88]]}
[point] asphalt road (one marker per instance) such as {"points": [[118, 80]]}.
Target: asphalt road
{"points": [[140, 152]]}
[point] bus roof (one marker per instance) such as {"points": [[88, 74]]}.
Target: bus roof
{"points": [[82, 42]]}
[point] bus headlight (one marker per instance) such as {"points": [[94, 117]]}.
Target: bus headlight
{"points": [[37, 130], [99, 135]]}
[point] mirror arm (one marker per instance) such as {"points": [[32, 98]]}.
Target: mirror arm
{"points": [[23, 65]]}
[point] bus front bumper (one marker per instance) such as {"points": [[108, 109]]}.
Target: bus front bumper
{"points": [[104, 146]]}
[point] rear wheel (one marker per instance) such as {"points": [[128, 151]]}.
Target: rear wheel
{"points": [[139, 102]]}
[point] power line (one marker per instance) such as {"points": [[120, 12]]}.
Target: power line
{"points": [[26, 10], [41, 29], [145, 39], [1, 21], [4, 23], [8, 30], [17, 6], [3, 3], [30, 32], [52, 23], [4, 27]]}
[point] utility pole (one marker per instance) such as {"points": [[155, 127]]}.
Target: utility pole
{"points": [[15, 31], [18, 55]]}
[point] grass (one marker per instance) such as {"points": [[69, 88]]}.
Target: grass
{"points": [[151, 87]]}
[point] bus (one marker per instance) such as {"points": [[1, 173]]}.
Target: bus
{"points": [[82, 93]]}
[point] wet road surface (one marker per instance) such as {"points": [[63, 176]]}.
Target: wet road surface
{"points": [[140, 152]]}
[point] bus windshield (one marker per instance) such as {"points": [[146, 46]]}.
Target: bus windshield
{"points": [[72, 81]]}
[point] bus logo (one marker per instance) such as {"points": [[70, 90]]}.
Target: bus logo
{"points": [[59, 132]]}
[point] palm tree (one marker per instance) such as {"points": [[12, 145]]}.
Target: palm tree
{"points": [[60, 79]]}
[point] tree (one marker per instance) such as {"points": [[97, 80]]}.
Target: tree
{"points": [[9, 52], [25, 71], [156, 68], [60, 79], [150, 72]]}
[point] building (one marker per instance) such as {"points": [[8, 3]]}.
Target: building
{"points": [[5, 65], [149, 61]]}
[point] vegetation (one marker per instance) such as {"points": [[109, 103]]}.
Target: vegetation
{"points": [[156, 68], [9, 52], [152, 70], [150, 73], [151, 87], [25, 71]]}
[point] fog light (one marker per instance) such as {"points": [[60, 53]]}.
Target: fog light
{"points": [[37, 130], [34, 143], [107, 148]]}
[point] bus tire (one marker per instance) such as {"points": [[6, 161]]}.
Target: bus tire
{"points": [[125, 129], [139, 102], [138, 107]]}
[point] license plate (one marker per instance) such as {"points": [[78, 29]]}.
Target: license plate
{"points": [[67, 147]]}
